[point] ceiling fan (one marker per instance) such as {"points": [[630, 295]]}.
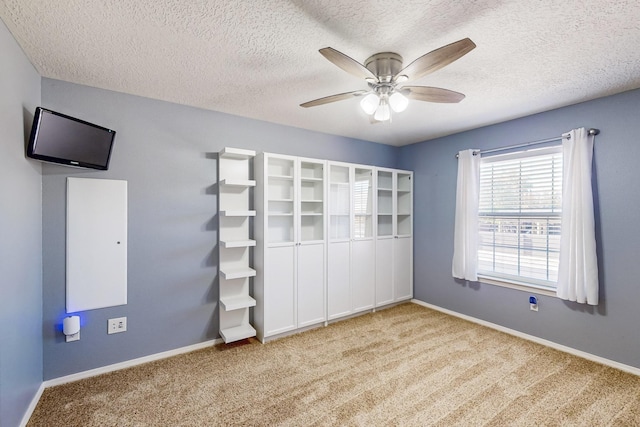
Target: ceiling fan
{"points": [[386, 78]]}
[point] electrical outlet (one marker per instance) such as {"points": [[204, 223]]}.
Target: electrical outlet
{"points": [[117, 325]]}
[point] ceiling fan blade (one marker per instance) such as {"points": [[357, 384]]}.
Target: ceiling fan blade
{"points": [[432, 94], [436, 59], [347, 63], [333, 98]]}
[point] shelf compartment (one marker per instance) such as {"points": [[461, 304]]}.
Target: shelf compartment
{"points": [[311, 227], [237, 273], [237, 333], [404, 182], [280, 207], [237, 213], [280, 167], [311, 171], [385, 225], [312, 207], [238, 182], [237, 243], [404, 225], [385, 180], [280, 228], [237, 302]]}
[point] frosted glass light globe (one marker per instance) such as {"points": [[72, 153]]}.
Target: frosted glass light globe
{"points": [[382, 113], [369, 103], [398, 102]]}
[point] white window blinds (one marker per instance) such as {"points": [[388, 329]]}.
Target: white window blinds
{"points": [[519, 216]]}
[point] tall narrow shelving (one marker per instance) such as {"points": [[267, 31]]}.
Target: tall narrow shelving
{"points": [[234, 183]]}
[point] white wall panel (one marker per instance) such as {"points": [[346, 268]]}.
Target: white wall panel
{"points": [[96, 243]]}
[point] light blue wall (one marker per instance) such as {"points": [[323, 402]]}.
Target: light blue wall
{"points": [[20, 236], [609, 330], [166, 152]]}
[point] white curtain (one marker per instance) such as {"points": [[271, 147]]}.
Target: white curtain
{"points": [[578, 265], [465, 237]]}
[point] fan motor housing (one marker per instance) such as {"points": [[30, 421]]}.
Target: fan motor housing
{"points": [[384, 65]]}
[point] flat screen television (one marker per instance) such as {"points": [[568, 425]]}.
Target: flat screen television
{"points": [[65, 140]]}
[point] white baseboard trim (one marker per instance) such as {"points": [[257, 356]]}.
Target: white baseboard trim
{"points": [[129, 363], [32, 406], [583, 354]]}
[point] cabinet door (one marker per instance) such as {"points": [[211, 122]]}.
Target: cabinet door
{"points": [[384, 271], [311, 270], [339, 302], [362, 274], [403, 268], [280, 296]]}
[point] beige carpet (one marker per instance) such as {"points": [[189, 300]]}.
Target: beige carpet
{"points": [[407, 365]]}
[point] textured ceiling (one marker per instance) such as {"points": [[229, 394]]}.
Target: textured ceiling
{"points": [[260, 59]]}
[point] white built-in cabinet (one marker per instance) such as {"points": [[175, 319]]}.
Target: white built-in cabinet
{"points": [[291, 253], [333, 239], [235, 243], [351, 247], [394, 236]]}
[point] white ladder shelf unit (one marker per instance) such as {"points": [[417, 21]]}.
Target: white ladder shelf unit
{"points": [[234, 243]]}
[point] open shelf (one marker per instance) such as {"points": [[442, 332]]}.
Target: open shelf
{"points": [[236, 153], [238, 182], [238, 273], [237, 243], [237, 302], [237, 333], [237, 213]]}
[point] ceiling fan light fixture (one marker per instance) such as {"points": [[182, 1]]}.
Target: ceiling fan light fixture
{"points": [[386, 77], [398, 102], [383, 113], [370, 103]]}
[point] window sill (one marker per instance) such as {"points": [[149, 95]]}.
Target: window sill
{"points": [[542, 290]]}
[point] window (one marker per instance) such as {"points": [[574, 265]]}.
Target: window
{"points": [[519, 217]]}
